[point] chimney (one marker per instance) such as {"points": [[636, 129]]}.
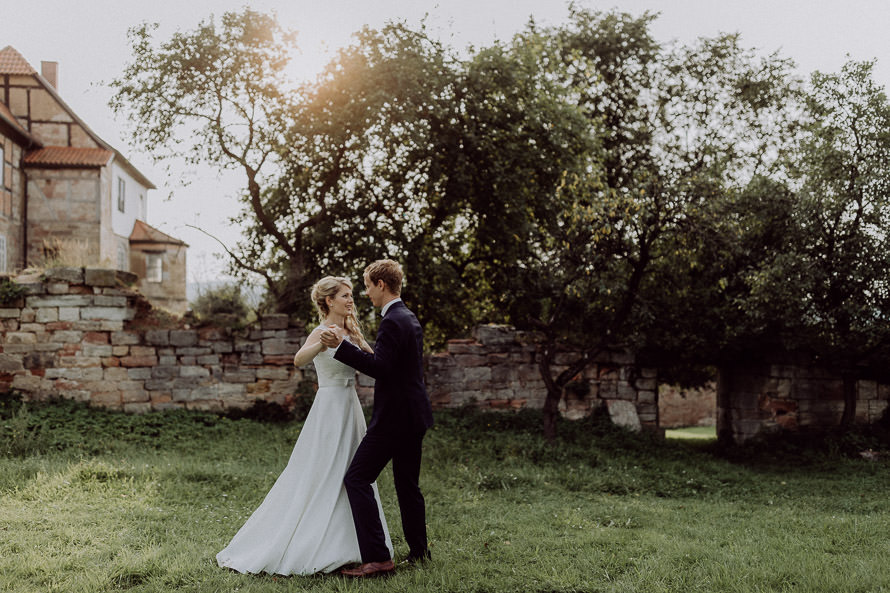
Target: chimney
{"points": [[50, 71]]}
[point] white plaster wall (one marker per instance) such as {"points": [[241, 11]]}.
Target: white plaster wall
{"points": [[122, 222]]}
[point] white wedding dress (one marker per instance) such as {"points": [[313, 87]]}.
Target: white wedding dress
{"points": [[304, 525]]}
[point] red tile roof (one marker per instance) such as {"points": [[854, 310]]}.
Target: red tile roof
{"points": [[69, 156], [12, 62], [144, 233]]}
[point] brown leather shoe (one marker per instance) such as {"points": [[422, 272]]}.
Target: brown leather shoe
{"points": [[370, 569]]}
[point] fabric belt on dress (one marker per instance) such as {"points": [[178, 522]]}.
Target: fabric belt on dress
{"points": [[350, 382]]}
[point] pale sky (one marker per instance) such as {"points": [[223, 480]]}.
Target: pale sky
{"points": [[88, 40]]}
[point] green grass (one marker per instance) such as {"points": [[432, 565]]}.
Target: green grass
{"points": [[98, 501], [692, 432]]}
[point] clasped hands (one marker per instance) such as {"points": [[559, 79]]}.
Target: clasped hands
{"points": [[332, 336]]}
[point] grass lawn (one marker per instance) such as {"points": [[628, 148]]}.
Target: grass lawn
{"points": [[97, 501], [692, 432]]}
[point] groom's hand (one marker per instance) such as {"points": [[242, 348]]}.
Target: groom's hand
{"points": [[330, 338]]}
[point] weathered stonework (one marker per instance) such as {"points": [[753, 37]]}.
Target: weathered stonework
{"points": [[86, 343], [96, 343], [498, 370], [756, 399]]}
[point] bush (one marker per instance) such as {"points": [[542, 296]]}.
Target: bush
{"points": [[20, 436], [10, 291], [224, 305]]}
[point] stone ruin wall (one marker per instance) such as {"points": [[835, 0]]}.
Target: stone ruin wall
{"points": [[497, 369], [760, 399], [83, 334]]}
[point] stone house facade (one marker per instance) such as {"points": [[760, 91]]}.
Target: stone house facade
{"points": [[158, 260], [65, 190]]}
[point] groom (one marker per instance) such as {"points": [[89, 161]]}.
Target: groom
{"points": [[401, 416]]}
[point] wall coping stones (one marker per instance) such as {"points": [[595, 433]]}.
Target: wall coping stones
{"points": [[69, 275]]}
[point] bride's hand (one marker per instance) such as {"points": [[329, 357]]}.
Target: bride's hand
{"points": [[330, 337], [340, 331]]}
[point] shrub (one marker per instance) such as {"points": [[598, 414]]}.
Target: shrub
{"points": [[10, 291], [21, 434], [70, 253], [224, 305]]}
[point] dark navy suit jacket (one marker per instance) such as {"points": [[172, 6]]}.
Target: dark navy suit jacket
{"points": [[401, 403]]}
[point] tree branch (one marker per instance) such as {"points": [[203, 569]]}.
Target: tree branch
{"points": [[270, 283]]}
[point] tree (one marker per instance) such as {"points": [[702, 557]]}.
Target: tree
{"points": [[398, 149], [675, 129], [217, 96], [790, 266], [842, 173], [337, 172], [456, 152]]}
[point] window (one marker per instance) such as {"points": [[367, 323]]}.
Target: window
{"points": [[3, 268], [2, 167], [122, 258], [121, 196], [154, 267]]}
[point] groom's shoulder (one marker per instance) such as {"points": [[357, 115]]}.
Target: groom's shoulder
{"points": [[402, 310], [399, 313], [397, 309]]}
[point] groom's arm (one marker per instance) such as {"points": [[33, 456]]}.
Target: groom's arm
{"points": [[377, 364]]}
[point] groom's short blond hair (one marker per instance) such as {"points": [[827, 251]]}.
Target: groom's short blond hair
{"points": [[387, 270]]}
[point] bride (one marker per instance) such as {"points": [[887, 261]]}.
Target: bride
{"points": [[305, 525]]}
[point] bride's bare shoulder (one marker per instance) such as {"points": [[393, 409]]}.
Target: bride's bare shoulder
{"points": [[315, 334]]}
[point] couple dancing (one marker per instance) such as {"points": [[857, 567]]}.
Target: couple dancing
{"points": [[324, 511]]}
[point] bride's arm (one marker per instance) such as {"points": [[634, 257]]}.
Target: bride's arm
{"points": [[310, 348], [364, 345]]}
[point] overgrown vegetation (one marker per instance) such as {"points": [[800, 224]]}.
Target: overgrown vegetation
{"points": [[224, 305], [70, 253], [104, 501], [10, 291]]}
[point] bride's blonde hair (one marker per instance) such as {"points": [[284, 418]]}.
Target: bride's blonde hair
{"points": [[328, 287]]}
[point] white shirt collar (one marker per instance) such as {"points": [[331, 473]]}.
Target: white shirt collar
{"points": [[388, 305]]}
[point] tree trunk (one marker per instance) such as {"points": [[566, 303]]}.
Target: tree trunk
{"points": [[725, 431], [551, 413], [849, 415], [554, 390]]}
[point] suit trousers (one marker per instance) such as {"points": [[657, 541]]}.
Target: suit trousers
{"points": [[372, 455]]}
